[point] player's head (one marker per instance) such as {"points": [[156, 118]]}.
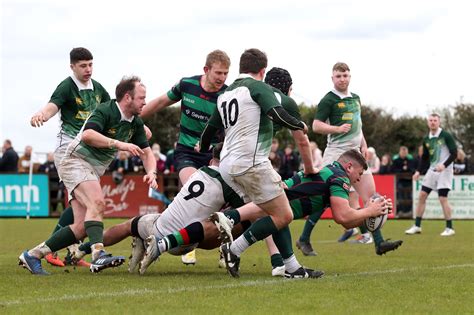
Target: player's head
{"points": [[434, 121], [279, 78], [216, 70], [253, 61], [216, 154], [81, 63], [354, 164], [132, 92], [341, 77]]}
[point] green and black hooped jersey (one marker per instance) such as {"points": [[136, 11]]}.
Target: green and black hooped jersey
{"points": [[107, 120], [439, 147], [311, 193], [338, 111], [197, 106], [77, 105]]}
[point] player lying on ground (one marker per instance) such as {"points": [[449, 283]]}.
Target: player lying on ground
{"points": [[307, 194]]}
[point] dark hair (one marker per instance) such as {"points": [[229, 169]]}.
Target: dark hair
{"points": [[252, 61], [126, 85], [279, 78], [216, 151], [354, 155], [79, 54]]}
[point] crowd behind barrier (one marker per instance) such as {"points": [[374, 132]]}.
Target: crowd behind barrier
{"points": [[286, 162]]}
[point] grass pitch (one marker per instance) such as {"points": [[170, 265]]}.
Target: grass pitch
{"points": [[427, 274]]}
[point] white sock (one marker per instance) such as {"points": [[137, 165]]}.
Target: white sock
{"points": [[39, 251], [239, 246], [96, 248], [291, 264]]}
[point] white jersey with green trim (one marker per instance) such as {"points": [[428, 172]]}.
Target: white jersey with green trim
{"points": [[248, 129]]}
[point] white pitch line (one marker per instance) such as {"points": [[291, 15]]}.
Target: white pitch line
{"points": [[251, 283]]}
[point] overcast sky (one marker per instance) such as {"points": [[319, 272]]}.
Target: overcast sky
{"points": [[405, 56]]}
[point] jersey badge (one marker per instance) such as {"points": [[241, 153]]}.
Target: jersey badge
{"points": [[78, 101], [341, 105], [112, 131]]}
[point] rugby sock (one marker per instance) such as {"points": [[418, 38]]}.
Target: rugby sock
{"points": [[233, 215], [308, 227], [378, 238], [66, 218], [291, 264], [276, 260], [418, 221], [363, 229], [85, 247], [61, 239], [256, 232], [449, 224], [95, 231], [193, 233], [282, 239]]}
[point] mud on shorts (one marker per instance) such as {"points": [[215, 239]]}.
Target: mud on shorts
{"points": [[144, 226], [185, 156], [260, 183], [73, 171]]}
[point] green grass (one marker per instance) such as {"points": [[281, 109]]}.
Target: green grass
{"points": [[428, 274]]}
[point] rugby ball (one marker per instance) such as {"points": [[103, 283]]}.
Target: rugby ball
{"points": [[374, 223]]}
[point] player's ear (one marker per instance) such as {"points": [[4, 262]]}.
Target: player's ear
{"points": [[206, 69]]}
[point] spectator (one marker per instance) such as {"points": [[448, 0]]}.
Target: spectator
{"points": [[373, 160], [404, 163], [9, 159], [25, 159], [56, 187], [160, 158], [171, 165], [425, 167], [276, 155], [461, 165], [120, 166], [290, 163], [385, 164], [404, 166], [317, 155]]}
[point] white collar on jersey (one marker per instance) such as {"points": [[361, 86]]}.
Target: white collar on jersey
{"points": [[244, 75], [349, 94], [436, 134], [123, 116], [81, 86]]}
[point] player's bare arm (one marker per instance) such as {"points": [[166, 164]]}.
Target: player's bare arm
{"points": [[155, 105], [149, 163], [98, 140], [324, 128], [302, 142], [48, 111], [350, 218]]}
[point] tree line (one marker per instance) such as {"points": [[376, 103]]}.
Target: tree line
{"points": [[382, 130]]}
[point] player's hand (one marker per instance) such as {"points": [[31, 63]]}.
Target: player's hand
{"points": [[344, 128], [389, 204], [197, 147], [148, 132], [313, 170], [130, 147], [38, 119], [150, 179], [416, 176], [305, 129], [378, 207], [440, 167]]}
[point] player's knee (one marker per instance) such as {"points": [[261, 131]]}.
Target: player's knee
{"points": [[99, 205]]}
